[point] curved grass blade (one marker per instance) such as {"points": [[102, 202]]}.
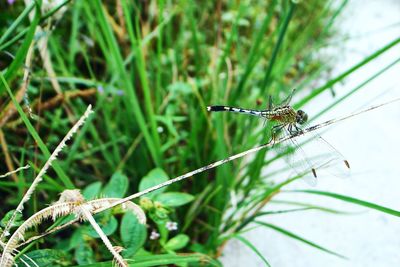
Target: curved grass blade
{"points": [[330, 83], [294, 236], [252, 247], [63, 176], [11, 71], [351, 200], [17, 22], [163, 260]]}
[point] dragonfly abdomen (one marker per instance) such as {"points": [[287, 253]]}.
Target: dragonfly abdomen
{"points": [[233, 109]]}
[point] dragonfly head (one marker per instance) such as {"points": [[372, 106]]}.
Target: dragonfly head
{"points": [[301, 117]]}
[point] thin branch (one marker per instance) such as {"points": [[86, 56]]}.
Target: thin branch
{"points": [[86, 213], [15, 171]]}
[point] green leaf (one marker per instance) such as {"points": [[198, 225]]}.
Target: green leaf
{"points": [[46, 258], [76, 238], [252, 247], [133, 234], [84, 254], [17, 221], [117, 186], [108, 224], [92, 190], [294, 236], [174, 199], [177, 242], [154, 177], [351, 200]]}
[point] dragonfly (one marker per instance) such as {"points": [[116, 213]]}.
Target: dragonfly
{"points": [[291, 121]]}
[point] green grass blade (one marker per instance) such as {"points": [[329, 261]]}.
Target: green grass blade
{"points": [[351, 200], [252, 247], [131, 101], [339, 100], [294, 236], [22, 51], [136, 45], [330, 83], [64, 178], [277, 47], [161, 260], [254, 51], [17, 22]]}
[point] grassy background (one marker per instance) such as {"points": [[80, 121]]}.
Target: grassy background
{"points": [[150, 69]]}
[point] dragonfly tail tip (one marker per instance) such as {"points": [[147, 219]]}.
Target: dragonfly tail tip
{"points": [[347, 163], [314, 172]]}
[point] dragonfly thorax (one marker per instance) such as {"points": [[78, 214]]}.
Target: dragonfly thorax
{"points": [[301, 117]]}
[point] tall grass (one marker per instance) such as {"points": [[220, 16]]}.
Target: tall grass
{"points": [[150, 69]]}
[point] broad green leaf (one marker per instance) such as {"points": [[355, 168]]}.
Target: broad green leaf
{"points": [[177, 242], [84, 254], [117, 186], [76, 238], [294, 236], [351, 200], [252, 247], [108, 224], [154, 177], [133, 234], [92, 190], [174, 199], [45, 258]]}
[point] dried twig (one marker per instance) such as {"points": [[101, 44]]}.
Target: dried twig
{"points": [[15, 171], [39, 177]]}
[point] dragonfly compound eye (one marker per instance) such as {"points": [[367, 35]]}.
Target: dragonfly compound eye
{"points": [[301, 117]]}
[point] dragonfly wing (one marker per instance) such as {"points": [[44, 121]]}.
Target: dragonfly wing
{"points": [[333, 162], [287, 100], [298, 161]]}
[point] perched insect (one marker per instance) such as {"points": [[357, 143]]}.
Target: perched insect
{"points": [[290, 120]]}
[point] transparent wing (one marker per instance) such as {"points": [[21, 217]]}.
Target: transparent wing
{"points": [[298, 160], [333, 162], [323, 159]]}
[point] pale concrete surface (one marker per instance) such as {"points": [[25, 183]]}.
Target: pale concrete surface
{"points": [[370, 141]]}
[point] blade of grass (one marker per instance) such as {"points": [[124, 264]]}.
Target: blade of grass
{"points": [[131, 101], [254, 51], [330, 83], [161, 260], [22, 51], [351, 200], [296, 237], [61, 174], [136, 45], [17, 22], [339, 100], [259, 214], [282, 32], [253, 248]]}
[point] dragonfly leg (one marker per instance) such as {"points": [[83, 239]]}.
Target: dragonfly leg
{"points": [[270, 104], [294, 131], [274, 132]]}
